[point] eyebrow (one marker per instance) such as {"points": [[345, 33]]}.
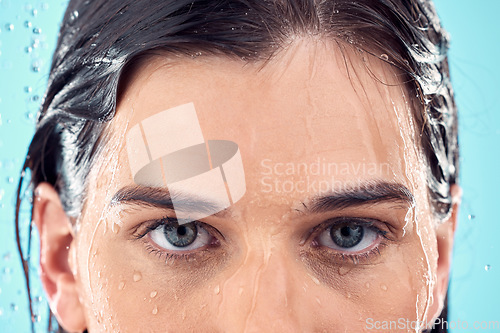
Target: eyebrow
{"points": [[367, 193], [158, 197]]}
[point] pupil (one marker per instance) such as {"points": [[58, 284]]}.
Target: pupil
{"points": [[181, 230], [347, 236], [345, 231]]}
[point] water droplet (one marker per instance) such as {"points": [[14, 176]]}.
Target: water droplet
{"points": [[318, 301], [35, 69], [10, 180], [35, 98], [73, 16], [14, 307], [487, 267], [27, 89], [9, 26], [315, 280], [155, 310], [367, 285], [240, 291], [217, 290], [153, 294], [115, 228], [6, 256], [37, 31], [34, 12], [384, 57], [28, 49], [344, 270], [471, 217], [27, 24], [121, 285], [383, 287], [137, 276]]}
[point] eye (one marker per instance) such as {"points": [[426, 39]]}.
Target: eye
{"points": [[349, 237], [171, 236]]}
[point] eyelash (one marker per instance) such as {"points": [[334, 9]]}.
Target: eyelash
{"points": [[355, 258]]}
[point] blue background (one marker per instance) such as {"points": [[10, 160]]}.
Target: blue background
{"points": [[28, 32]]}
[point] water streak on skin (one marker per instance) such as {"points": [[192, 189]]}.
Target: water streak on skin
{"points": [[409, 175], [256, 287], [114, 154]]}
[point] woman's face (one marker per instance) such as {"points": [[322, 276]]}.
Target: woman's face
{"points": [[333, 232]]}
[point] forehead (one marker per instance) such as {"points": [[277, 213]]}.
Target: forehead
{"points": [[314, 103]]}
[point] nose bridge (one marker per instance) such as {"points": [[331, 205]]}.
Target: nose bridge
{"points": [[262, 294]]}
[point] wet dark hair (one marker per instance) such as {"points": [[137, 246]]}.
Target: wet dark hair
{"points": [[99, 39]]}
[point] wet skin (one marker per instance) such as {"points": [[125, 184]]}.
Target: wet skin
{"points": [[272, 261]]}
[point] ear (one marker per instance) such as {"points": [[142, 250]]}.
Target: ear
{"points": [[56, 240], [445, 234]]}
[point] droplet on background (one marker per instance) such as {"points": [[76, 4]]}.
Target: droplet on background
{"points": [[384, 57], [153, 294], [487, 267], [471, 217], [27, 89], [37, 31], [9, 26], [121, 285], [155, 310], [27, 24], [34, 12]]}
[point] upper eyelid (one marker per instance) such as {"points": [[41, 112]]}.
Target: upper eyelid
{"points": [[156, 223], [367, 222]]}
